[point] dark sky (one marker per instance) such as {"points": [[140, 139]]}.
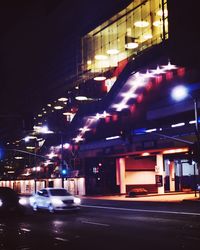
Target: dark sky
{"points": [[37, 48]]}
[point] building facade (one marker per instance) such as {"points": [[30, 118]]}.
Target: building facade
{"points": [[126, 131]]}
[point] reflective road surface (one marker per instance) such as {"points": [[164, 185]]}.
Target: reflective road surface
{"points": [[104, 225]]}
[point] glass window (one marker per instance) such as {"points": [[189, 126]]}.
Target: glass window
{"points": [[144, 22], [59, 192]]}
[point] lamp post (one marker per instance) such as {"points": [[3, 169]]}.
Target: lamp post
{"points": [[179, 93]]}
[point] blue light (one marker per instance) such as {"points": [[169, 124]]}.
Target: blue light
{"points": [[64, 171], [1, 153], [179, 93], [139, 131]]}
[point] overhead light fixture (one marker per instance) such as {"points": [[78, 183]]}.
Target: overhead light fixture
{"points": [[141, 24], [89, 62], [160, 13], [67, 113], [78, 138], [112, 137], [145, 154], [63, 99], [30, 147], [58, 107], [173, 151], [81, 98], [84, 129], [130, 42], [131, 45], [18, 157], [159, 23], [99, 78], [178, 125], [100, 57], [49, 104], [112, 51]]}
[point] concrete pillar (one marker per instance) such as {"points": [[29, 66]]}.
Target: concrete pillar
{"points": [[172, 176], [120, 174], [160, 174]]}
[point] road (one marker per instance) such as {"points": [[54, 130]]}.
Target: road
{"points": [[101, 224]]}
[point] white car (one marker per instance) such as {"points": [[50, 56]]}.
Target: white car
{"points": [[54, 199]]}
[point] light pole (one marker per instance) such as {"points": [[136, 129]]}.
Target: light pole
{"points": [[179, 93]]}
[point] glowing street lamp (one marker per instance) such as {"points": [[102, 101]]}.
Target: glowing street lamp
{"points": [[179, 93]]}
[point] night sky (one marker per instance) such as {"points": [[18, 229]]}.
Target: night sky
{"points": [[37, 50]]}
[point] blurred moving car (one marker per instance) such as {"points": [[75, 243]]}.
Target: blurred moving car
{"points": [[54, 199], [10, 201]]}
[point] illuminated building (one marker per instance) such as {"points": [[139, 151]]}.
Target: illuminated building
{"points": [[129, 64]]}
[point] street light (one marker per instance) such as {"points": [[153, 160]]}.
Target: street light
{"points": [[179, 93]]}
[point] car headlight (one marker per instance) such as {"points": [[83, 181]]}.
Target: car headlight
{"points": [[1, 202], [77, 200], [23, 201], [31, 200], [57, 202]]}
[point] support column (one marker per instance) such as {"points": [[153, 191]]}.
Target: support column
{"points": [[160, 174], [120, 174], [172, 176]]}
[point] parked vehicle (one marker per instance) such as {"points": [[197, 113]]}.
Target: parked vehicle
{"points": [[54, 199], [10, 202]]}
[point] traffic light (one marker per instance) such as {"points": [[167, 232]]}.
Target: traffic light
{"points": [[64, 172]]}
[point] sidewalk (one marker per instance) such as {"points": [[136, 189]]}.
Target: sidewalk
{"points": [[168, 197]]}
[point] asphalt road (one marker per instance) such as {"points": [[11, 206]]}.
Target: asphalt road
{"points": [[106, 225]]}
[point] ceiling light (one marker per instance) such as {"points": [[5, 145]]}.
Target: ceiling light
{"points": [[112, 51], [100, 57], [141, 24], [67, 113], [18, 157], [112, 137], [145, 154], [160, 13], [84, 129], [81, 98], [159, 23], [99, 78], [30, 147], [177, 150], [58, 107], [178, 125], [49, 105], [78, 138], [63, 99], [131, 45]]}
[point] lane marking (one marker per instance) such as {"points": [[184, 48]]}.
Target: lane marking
{"points": [[96, 223], [61, 239], [142, 210]]}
